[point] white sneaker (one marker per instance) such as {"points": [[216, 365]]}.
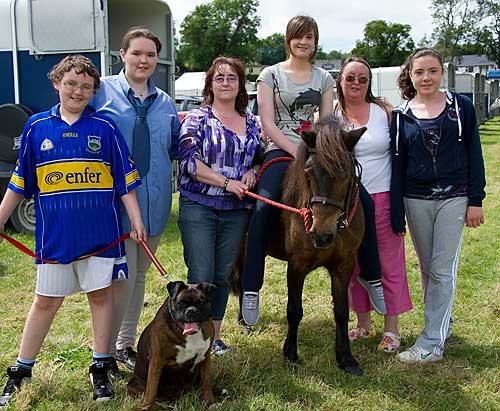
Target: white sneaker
{"points": [[417, 354]]}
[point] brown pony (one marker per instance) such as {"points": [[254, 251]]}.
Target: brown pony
{"points": [[323, 178]]}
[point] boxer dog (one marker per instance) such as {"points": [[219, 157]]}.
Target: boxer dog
{"points": [[174, 349]]}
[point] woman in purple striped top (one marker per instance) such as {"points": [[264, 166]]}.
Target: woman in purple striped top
{"points": [[219, 149]]}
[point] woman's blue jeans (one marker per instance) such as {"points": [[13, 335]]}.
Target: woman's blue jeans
{"points": [[212, 241]]}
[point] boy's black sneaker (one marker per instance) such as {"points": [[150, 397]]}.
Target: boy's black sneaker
{"points": [[17, 376], [113, 368], [100, 380], [128, 357]]}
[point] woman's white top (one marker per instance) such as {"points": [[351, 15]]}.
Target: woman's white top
{"points": [[373, 152]]}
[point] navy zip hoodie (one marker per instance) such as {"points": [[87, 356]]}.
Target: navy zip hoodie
{"points": [[458, 159]]}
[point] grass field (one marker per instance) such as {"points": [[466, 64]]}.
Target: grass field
{"points": [[254, 372]]}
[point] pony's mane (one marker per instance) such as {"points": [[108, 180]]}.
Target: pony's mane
{"points": [[331, 154]]}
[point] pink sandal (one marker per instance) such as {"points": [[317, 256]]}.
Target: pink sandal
{"points": [[359, 332], [390, 342]]}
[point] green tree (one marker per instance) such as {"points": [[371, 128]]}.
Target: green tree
{"points": [[489, 36], [321, 54], [454, 22], [223, 27], [336, 55], [272, 49], [384, 44]]}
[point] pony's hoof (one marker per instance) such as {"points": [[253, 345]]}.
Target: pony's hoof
{"points": [[292, 359], [293, 366], [354, 369]]}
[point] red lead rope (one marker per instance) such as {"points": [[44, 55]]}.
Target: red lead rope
{"points": [[144, 245], [306, 213]]}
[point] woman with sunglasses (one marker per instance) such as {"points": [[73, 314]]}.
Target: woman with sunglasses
{"points": [[359, 107], [219, 148], [439, 183], [288, 94]]}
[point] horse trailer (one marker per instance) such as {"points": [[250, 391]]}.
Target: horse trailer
{"points": [[39, 33]]}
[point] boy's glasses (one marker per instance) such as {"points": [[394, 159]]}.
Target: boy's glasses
{"points": [[73, 86], [229, 79], [361, 79]]}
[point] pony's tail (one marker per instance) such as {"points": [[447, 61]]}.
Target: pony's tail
{"points": [[237, 270]]}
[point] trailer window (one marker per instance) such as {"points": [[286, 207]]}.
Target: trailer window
{"points": [[60, 25]]}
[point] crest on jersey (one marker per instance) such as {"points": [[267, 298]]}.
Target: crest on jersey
{"points": [[46, 145], [452, 114], [94, 143]]}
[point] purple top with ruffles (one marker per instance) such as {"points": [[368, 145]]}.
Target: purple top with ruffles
{"points": [[204, 137]]}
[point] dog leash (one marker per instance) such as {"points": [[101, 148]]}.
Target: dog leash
{"points": [[143, 244]]}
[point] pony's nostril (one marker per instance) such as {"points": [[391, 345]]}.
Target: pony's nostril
{"points": [[323, 240]]}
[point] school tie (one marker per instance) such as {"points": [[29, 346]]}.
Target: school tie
{"points": [[141, 147]]}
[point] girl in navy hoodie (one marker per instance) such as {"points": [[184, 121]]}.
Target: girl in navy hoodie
{"points": [[438, 182]]}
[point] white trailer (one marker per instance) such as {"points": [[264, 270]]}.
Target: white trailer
{"points": [[36, 34], [385, 84]]}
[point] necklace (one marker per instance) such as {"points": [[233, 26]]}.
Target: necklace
{"points": [[142, 91], [137, 92]]}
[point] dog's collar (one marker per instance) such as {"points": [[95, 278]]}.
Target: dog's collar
{"points": [[170, 309]]}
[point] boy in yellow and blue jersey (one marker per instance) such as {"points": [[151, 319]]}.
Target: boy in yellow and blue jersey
{"points": [[77, 167]]}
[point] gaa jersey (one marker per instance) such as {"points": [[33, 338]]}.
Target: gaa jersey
{"points": [[77, 174]]}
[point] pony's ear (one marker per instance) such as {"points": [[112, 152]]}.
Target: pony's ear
{"points": [[309, 137], [352, 137]]}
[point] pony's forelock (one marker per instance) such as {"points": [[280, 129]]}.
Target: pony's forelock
{"points": [[332, 155], [330, 148]]}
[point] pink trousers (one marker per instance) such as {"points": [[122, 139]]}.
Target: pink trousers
{"points": [[391, 250]]}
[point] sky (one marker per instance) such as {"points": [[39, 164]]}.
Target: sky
{"points": [[340, 23]]}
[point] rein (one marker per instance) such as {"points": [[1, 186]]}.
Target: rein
{"points": [[143, 244], [306, 212]]}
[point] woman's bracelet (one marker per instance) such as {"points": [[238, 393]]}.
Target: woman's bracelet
{"points": [[226, 182]]}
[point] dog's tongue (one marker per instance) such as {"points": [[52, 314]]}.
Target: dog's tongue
{"points": [[190, 328]]}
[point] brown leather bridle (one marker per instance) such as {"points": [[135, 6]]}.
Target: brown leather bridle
{"points": [[349, 204]]}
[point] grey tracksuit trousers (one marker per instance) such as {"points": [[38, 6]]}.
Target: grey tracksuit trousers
{"points": [[436, 228], [129, 295]]}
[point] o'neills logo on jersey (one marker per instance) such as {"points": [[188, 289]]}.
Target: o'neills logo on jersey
{"points": [[74, 175]]}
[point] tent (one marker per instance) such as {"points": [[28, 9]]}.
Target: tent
{"points": [[190, 84]]}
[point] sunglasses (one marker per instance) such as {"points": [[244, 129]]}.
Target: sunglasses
{"points": [[361, 79]]}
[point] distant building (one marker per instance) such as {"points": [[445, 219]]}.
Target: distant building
{"points": [[332, 66], [254, 69], [474, 63]]}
